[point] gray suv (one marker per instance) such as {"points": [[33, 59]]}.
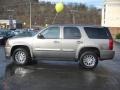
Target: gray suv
{"points": [[85, 44]]}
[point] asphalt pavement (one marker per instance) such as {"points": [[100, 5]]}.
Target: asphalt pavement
{"points": [[60, 75]]}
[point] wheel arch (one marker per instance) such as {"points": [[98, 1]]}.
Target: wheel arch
{"points": [[21, 46], [84, 49]]}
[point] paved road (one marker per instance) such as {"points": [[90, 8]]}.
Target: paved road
{"points": [[60, 75]]}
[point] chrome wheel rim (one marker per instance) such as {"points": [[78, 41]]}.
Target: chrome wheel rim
{"points": [[20, 57], [89, 60]]}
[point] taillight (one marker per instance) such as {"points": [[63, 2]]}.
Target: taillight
{"points": [[111, 44]]}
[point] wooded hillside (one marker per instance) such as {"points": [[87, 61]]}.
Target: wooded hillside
{"points": [[44, 12]]}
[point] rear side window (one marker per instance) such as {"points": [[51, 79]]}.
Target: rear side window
{"points": [[98, 33], [71, 33]]}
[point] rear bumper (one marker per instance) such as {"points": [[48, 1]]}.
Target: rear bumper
{"points": [[106, 54]]}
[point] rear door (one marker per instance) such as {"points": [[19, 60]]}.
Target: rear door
{"points": [[70, 42]]}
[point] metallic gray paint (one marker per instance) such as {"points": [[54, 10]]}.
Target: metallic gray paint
{"points": [[61, 48]]}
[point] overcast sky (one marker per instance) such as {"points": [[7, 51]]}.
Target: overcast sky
{"points": [[97, 3]]}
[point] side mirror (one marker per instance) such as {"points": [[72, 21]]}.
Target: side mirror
{"points": [[40, 36]]}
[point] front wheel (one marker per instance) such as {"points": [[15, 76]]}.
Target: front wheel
{"points": [[88, 60], [21, 56]]}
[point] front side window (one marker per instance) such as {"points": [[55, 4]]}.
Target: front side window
{"points": [[51, 33], [71, 33]]}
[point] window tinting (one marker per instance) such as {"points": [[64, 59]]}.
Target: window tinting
{"points": [[71, 33], [97, 33], [51, 33]]}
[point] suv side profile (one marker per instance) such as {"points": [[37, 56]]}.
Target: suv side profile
{"points": [[85, 44]]}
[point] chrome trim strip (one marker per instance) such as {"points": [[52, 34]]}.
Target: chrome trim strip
{"points": [[68, 50], [46, 49]]}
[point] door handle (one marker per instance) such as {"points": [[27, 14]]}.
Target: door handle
{"points": [[79, 42], [56, 41]]}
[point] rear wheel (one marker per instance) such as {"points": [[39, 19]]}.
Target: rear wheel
{"points": [[88, 60], [21, 56]]}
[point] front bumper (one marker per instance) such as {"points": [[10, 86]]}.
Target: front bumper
{"points": [[106, 54]]}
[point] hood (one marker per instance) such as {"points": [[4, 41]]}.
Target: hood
{"points": [[20, 36], [20, 40]]}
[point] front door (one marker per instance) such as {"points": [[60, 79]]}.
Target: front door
{"points": [[49, 45]]}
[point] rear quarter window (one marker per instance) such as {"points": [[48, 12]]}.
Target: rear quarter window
{"points": [[98, 33]]}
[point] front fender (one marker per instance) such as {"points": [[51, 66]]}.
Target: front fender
{"points": [[23, 45]]}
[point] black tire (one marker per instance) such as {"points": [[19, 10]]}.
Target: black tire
{"points": [[88, 60], [21, 60]]}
